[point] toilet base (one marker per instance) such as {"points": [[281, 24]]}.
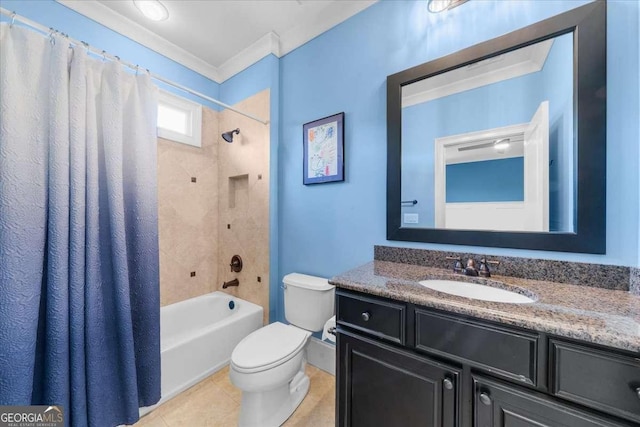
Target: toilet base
{"points": [[272, 408]]}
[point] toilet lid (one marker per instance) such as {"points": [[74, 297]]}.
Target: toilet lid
{"points": [[268, 346]]}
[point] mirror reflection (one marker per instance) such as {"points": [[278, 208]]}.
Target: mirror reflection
{"points": [[490, 146]]}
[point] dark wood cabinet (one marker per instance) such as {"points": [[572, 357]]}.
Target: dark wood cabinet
{"points": [[500, 405], [400, 364], [597, 379], [381, 385], [504, 351], [382, 319]]}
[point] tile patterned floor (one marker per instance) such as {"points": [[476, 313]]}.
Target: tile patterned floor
{"points": [[215, 402]]}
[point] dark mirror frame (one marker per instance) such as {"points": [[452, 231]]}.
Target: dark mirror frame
{"points": [[588, 24]]}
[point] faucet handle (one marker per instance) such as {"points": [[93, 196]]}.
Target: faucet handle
{"points": [[236, 264], [457, 266], [483, 270]]}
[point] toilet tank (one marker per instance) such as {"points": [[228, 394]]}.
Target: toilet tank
{"points": [[308, 301]]}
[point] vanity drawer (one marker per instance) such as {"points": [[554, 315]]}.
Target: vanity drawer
{"points": [[498, 404], [383, 319], [499, 350], [602, 380]]}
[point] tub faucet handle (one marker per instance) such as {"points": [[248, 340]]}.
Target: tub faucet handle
{"points": [[236, 264]]}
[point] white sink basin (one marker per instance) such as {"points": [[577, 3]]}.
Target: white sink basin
{"points": [[475, 291]]}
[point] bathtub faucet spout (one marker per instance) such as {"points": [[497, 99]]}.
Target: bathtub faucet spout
{"points": [[233, 282]]}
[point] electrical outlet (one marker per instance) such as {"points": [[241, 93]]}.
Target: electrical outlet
{"points": [[411, 218]]}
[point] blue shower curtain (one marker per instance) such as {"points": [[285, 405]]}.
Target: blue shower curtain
{"points": [[79, 274]]}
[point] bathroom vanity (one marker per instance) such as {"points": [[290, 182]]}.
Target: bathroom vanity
{"points": [[408, 355]]}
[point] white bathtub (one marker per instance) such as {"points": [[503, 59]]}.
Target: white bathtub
{"points": [[197, 337]]}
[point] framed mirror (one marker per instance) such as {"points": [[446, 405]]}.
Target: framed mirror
{"points": [[504, 143]]}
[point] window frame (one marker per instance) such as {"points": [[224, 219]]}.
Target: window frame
{"points": [[194, 112]]}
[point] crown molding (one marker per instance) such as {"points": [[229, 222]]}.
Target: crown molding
{"points": [[334, 14], [103, 15], [264, 46], [520, 62]]}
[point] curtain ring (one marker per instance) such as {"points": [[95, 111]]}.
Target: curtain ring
{"points": [[137, 68], [86, 45], [118, 58], [104, 55], [13, 19], [52, 40]]}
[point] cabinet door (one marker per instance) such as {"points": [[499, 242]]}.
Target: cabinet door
{"points": [[498, 404], [380, 385], [603, 380]]}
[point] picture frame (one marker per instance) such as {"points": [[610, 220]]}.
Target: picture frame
{"points": [[323, 150]]}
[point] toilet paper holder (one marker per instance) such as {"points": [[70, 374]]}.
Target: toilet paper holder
{"points": [[329, 331]]}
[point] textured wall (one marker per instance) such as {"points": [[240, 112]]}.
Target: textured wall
{"points": [[264, 74], [231, 190], [244, 200], [188, 214]]}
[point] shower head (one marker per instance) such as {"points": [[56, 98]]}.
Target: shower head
{"points": [[228, 136]]}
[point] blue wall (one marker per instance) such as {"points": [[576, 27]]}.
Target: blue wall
{"points": [[500, 180], [326, 229], [508, 102], [52, 14], [254, 79]]}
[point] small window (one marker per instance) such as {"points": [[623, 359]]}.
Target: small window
{"points": [[179, 119]]}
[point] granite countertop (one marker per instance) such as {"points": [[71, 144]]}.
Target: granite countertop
{"points": [[600, 316]]}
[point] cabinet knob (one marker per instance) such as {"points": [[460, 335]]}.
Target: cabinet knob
{"points": [[485, 399], [638, 392], [448, 384], [366, 316]]}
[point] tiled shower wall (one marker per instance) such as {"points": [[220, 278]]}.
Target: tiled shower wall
{"points": [[224, 212], [188, 214], [244, 201]]}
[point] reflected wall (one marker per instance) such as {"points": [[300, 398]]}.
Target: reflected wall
{"points": [[504, 103]]}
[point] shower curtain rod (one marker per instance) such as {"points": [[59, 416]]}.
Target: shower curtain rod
{"points": [[101, 53]]}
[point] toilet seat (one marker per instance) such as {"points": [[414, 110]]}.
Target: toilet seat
{"points": [[268, 347]]}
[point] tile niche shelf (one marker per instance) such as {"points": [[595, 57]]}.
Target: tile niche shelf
{"points": [[238, 191]]}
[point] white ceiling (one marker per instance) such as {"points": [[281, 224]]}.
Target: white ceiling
{"points": [[219, 38]]}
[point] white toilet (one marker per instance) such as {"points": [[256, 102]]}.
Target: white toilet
{"points": [[268, 365]]}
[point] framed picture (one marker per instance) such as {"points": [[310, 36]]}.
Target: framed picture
{"points": [[323, 150]]}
